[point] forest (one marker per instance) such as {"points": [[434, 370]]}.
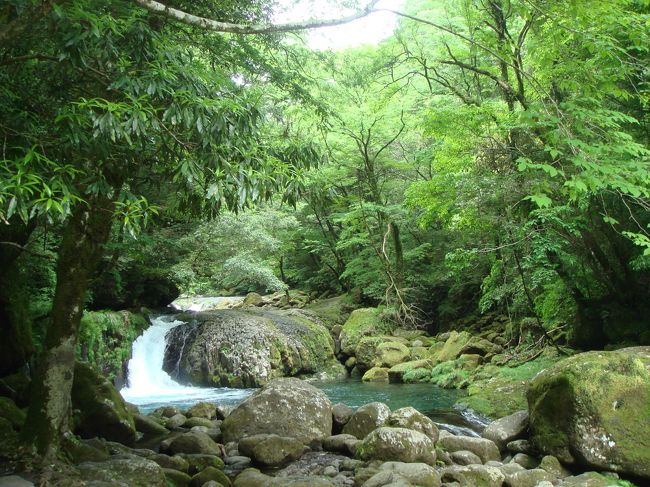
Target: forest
{"points": [[487, 161]]}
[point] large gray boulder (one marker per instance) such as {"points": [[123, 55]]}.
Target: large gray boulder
{"points": [[507, 429], [366, 419], [397, 444], [248, 348], [130, 470], [473, 476], [413, 419], [286, 407], [485, 449], [592, 410]]}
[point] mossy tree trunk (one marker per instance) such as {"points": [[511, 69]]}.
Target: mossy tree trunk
{"points": [[50, 407]]}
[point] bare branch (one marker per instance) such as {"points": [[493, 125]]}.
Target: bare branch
{"points": [[218, 26]]}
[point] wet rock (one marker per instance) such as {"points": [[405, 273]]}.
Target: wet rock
{"points": [[525, 461], [507, 429], [149, 426], [341, 414], [210, 474], [286, 407], [194, 442], [366, 419], [419, 474], [345, 444], [473, 476], [485, 449], [100, 410], [167, 462], [271, 450], [376, 374], [206, 410], [132, 470], [592, 410], [464, 457], [397, 444], [529, 478], [198, 462], [412, 419], [176, 421], [176, 478]]}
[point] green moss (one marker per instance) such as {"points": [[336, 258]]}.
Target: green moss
{"points": [[417, 375], [449, 375], [333, 311], [363, 322], [106, 337], [452, 347], [11, 412]]}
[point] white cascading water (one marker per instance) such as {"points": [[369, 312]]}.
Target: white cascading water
{"points": [[150, 386]]}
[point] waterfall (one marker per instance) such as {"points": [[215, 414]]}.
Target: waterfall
{"points": [[149, 386], [146, 376]]}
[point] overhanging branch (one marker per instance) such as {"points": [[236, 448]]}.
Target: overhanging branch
{"points": [[218, 26]]}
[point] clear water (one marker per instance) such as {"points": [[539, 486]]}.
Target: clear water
{"points": [[149, 387]]}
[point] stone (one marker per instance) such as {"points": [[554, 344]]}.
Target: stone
{"points": [[251, 477], [419, 474], [176, 478], [412, 419], [176, 421], [485, 449], [167, 411], [273, 450], [167, 462], [341, 414], [592, 410], [361, 323], [198, 462], [205, 410], [392, 353], [397, 444], [345, 444], [529, 478], [192, 422], [132, 470], [194, 442], [286, 407], [14, 481], [366, 419], [385, 478], [99, 408], [451, 350], [553, 466], [376, 374], [520, 446], [588, 479], [473, 476], [525, 461], [248, 347], [208, 474], [464, 457], [149, 426], [507, 429], [396, 373], [253, 299], [482, 347]]}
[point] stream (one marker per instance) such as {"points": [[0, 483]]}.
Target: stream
{"points": [[150, 387]]}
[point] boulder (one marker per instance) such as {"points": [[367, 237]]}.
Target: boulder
{"points": [[99, 408], [148, 426], [175, 421], [287, 407], [464, 457], [197, 462], [206, 410], [453, 346], [361, 323], [253, 299], [376, 374], [396, 373], [391, 353], [194, 442], [272, 450], [248, 347], [529, 478], [485, 449], [412, 419], [175, 463], [482, 347], [346, 444], [176, 478], [366, 419], [592, 410], [251, 477], [553, 466], [341, 414], [210, 474], [130, 470], [419, 474], [507, 429], [12, 413], [397, 444], [473, 476]]}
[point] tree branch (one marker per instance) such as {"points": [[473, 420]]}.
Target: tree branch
{"points": [[218, 26]]}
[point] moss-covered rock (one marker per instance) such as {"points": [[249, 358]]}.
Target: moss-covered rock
{"points": [[453, 346], [133, 471], [106, 339], [99, 408], [288, 407], [390, 354], [376, 374], [412, 419], [366, 419], [396, 373], [363, 322], [12, 413], [397, 444], [417, 375], [247, 348], [381, 351], [333, 311], [593, 409]]}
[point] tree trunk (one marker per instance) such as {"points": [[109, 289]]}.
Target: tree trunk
{"points": [[49, 411]]}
